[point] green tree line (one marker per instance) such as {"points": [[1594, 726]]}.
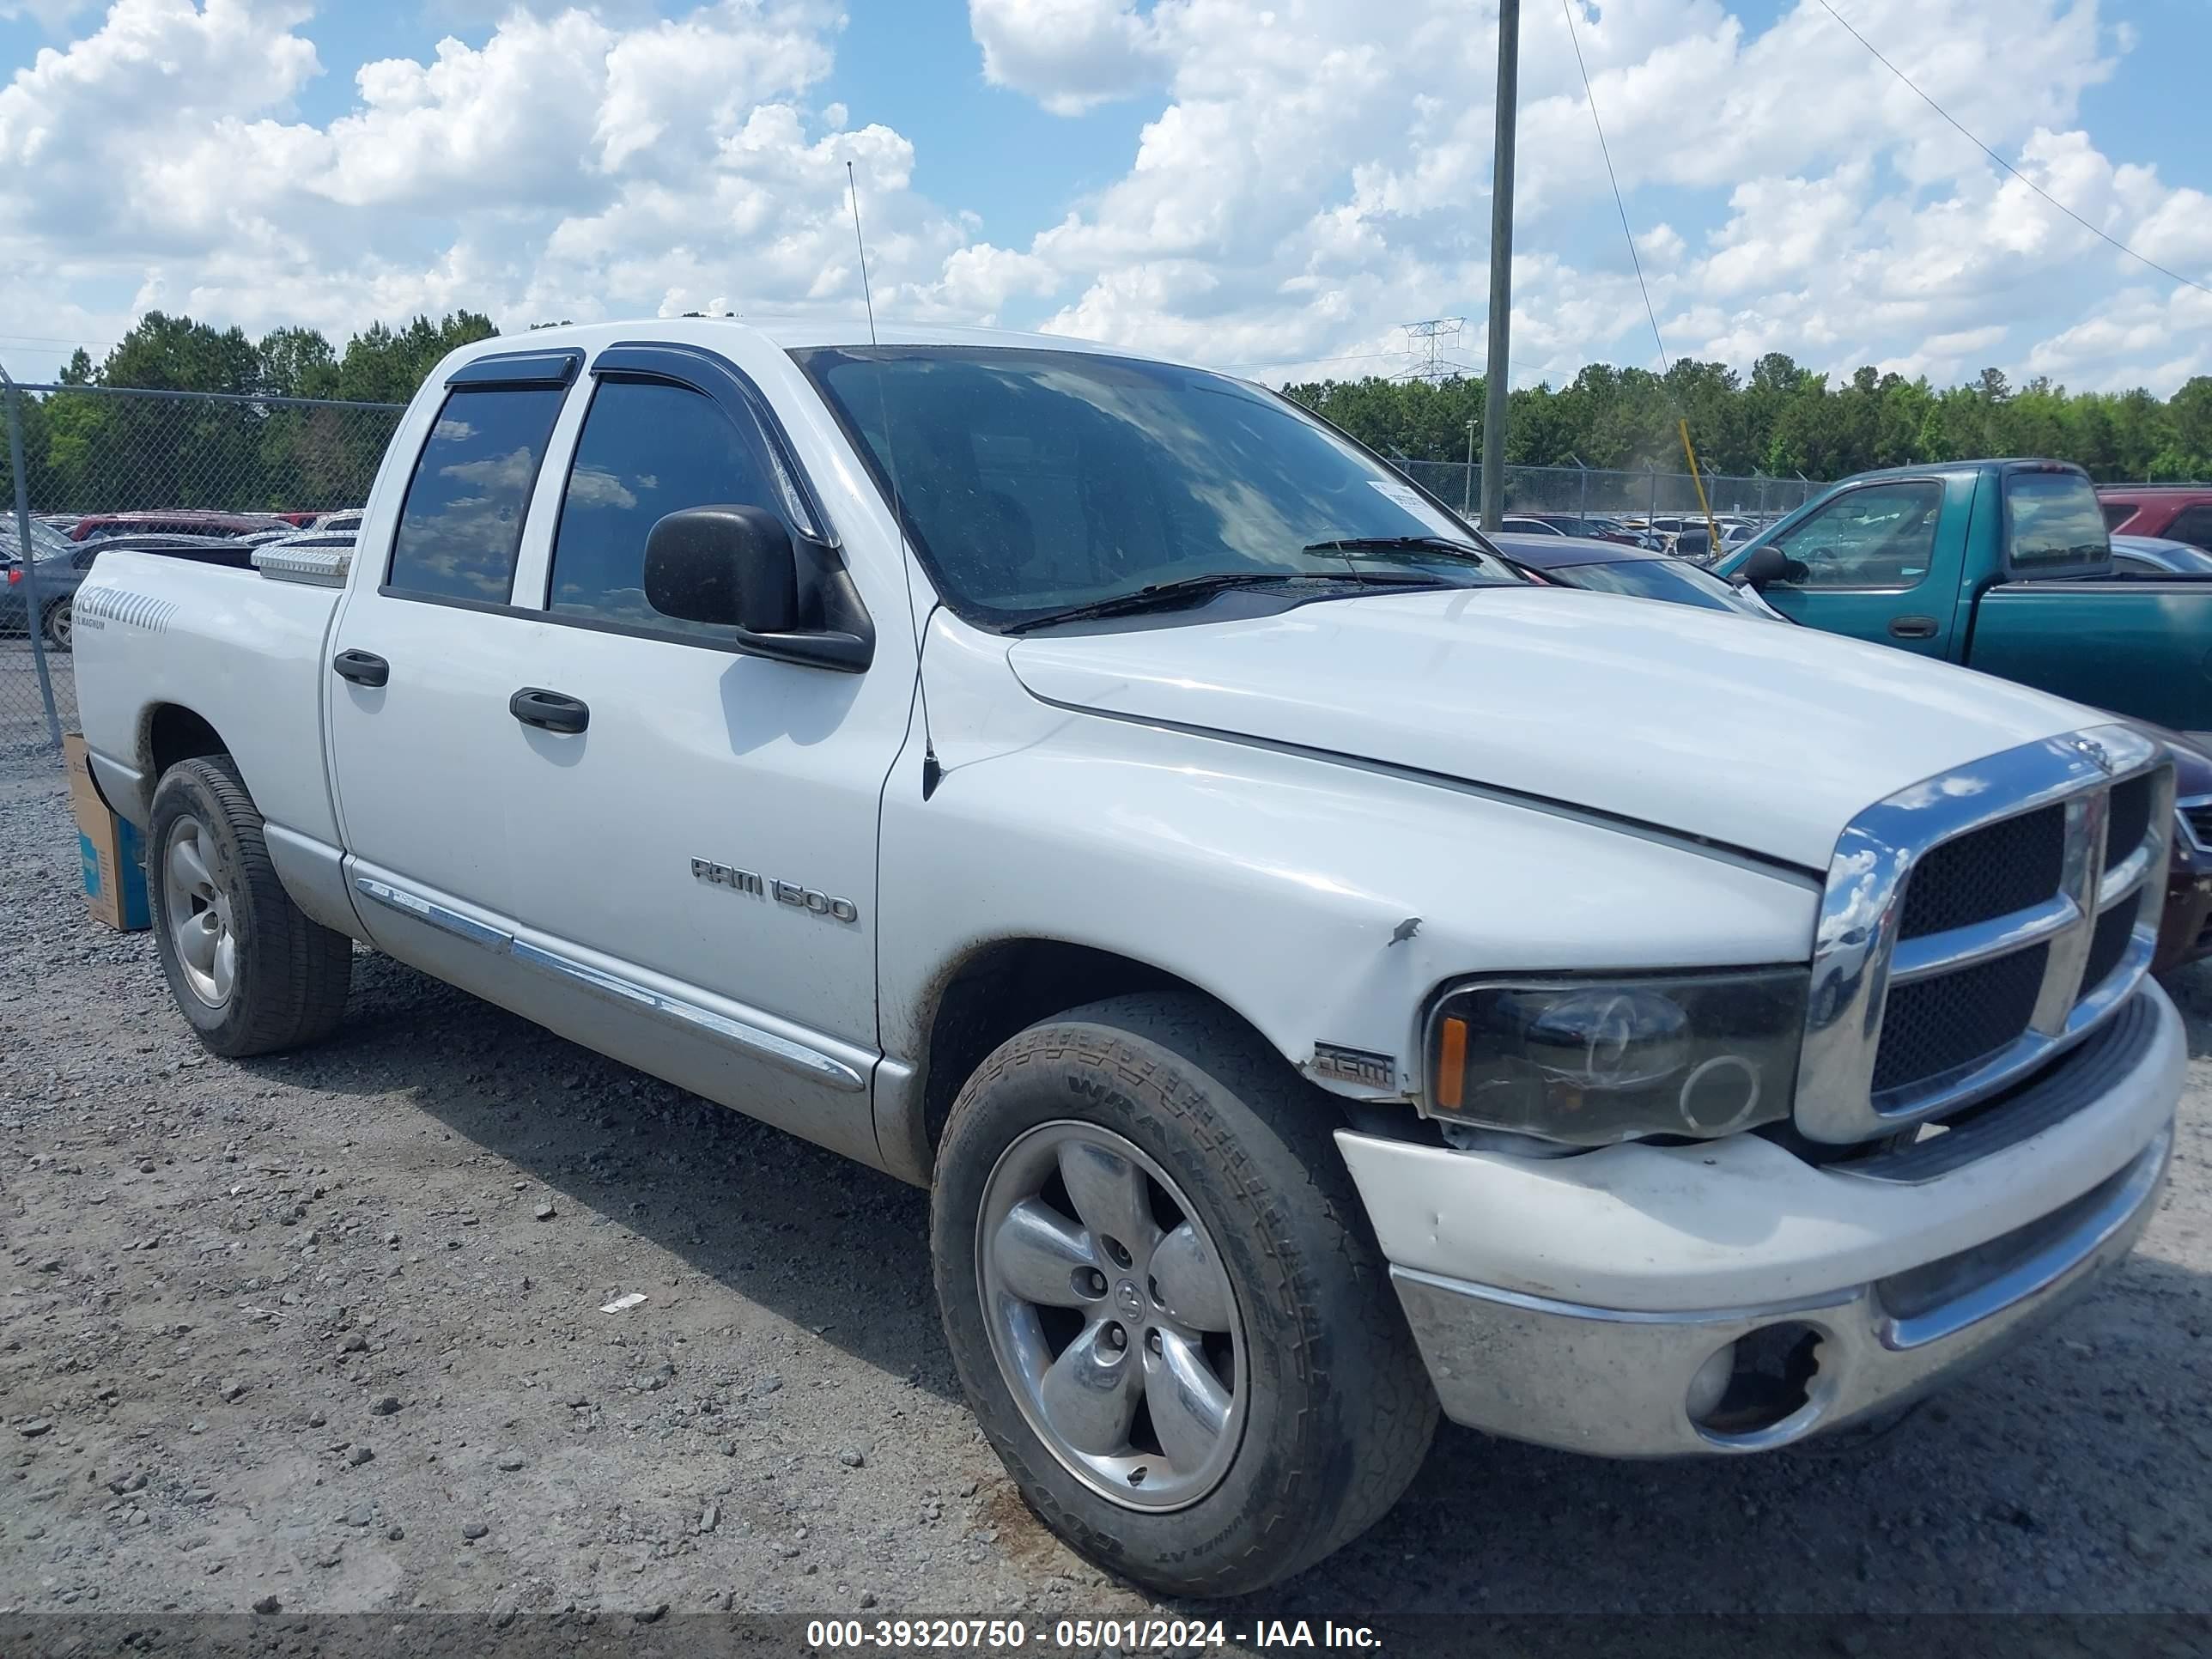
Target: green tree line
{"points": [[1782, 420], [93, 451]]}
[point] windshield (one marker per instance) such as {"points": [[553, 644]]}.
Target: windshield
{"points": [[49, 541], [1037, 481], [1668, 580], [2053, 517]]}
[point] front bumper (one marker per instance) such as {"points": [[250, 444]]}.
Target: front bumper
{"points": [[1567, 1302]]}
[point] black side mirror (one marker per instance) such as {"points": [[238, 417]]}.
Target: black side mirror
{"points": [[733, 566], [1769, 564]]}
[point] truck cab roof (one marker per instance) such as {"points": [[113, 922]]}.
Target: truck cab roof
{"points": [[782, 334]]}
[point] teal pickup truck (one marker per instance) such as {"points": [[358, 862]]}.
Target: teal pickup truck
{"points": [[2002, 566]]}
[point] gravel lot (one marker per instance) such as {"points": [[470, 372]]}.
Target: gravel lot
{"points": [[326, 1329]]}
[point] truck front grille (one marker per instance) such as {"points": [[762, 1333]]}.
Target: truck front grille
{"points": [[1987, 873], [2129, 819], [1976, 923], [1935, 1026]]}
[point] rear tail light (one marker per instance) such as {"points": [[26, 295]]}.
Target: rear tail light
{"points": [[15, 574]]}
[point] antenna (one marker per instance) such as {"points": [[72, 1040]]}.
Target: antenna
{"points": [[932, 772]]}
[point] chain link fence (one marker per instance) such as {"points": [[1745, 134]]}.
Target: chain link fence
{"points": [[1585, 491], [92, 463], [89, 465]]}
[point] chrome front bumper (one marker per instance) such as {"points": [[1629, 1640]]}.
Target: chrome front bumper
{"points": [[1618, 1383]]}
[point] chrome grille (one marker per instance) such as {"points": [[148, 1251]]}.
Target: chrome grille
{"points": [[1987, 873], [1976, 923], [2129, 819], [2108, 943], [2196, 820], [1933, 1027]]}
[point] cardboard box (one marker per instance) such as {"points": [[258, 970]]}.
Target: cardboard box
{"points": [[114, 855]]}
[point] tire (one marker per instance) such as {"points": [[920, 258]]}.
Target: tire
{"points": [[61, 625], [281, 980], [1332, 1411]]}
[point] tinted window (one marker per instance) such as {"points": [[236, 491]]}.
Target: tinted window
{"points": [[2053, 517], [2193, 524], [1037, 480], [648, 449], [1880, 536], [463, 520], [2117, 513]]}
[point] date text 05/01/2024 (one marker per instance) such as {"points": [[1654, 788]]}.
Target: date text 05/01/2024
{"points": [[1135, 1635]]}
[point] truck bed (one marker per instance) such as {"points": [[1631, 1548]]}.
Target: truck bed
{"points": [[2159, 629], [241, 651]]}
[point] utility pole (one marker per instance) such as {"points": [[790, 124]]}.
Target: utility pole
{"points": [[1501, 264]]}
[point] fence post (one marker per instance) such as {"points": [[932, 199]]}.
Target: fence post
{"points": [[33, 620], [1651, 511]]}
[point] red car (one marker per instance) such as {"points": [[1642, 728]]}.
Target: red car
{"points": [[175, 521], [2180, 513]]}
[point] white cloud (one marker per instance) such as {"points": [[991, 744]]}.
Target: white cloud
{"points": [[1070, 55], [1301, 181]]}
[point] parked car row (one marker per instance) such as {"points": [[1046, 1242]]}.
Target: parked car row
{"points": [[193, 521], [66, 546]]}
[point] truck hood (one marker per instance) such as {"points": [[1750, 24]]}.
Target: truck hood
{"points": [[1760, 735]]}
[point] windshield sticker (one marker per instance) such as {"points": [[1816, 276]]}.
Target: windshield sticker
{"points": [[1405, 495]]}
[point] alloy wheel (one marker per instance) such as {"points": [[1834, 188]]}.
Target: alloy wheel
{"points": [[1111, 1316]]}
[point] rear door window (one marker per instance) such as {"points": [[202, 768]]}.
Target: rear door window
{"points": [[2053, 517], [2191, 524], [2117, 513], [462, 523]]}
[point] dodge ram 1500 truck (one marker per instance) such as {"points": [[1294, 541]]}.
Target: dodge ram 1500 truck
{"points": [[2004, 566], [1094, 790]]}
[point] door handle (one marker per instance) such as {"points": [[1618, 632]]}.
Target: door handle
{"points": [[535, 705], [1913, 628], [362, 667]]}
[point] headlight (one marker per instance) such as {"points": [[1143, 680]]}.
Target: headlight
{"points": [[1593, 1061]]}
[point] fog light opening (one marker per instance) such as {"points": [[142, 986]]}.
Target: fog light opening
{"points": [[1754, 1383]]}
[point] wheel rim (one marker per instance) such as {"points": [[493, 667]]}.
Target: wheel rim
{"points": [[60, 623], [1111, 1316], [197, 915]]}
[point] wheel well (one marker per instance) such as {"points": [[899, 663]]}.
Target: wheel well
{"points": [[175, 733], [1011, 984]]}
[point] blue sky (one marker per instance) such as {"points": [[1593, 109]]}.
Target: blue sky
{"points": [[1280, 183]]}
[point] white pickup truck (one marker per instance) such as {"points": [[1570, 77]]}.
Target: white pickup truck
{"points": [[1321, 972]]}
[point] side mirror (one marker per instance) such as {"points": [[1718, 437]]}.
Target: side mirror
{"points": [[733, 566], [1769, 564]]}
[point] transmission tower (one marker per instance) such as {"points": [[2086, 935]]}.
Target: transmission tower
{"points": [[1430, 340]]}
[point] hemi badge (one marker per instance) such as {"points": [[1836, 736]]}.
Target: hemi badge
{"points": [[1363, 1066]]}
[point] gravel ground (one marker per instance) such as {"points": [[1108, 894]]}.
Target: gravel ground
{"points": [[326, 1329]]}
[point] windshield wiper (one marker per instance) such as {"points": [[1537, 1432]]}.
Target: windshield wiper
{"points": [[1449, 546], [1161, 596], [1403, 544]]}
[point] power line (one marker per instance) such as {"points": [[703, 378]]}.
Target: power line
{"points": [[2145, 258], [1567, 11]]}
